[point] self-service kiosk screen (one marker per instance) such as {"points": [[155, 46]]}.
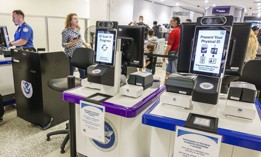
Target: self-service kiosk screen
{"points": [[209, 50], [4, 38], [105, 46]]}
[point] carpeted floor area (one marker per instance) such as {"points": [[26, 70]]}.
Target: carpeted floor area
{"points": [[19, 138]]}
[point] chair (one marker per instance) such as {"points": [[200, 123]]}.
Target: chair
{"points": [[251, 73], [82, 58]]}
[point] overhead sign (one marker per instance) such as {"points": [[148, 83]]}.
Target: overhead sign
{"points": [[180, 13], [221, 10], [194, 143]]}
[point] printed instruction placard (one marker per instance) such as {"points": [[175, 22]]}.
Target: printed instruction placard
{"points": [[194, 143], [209, 51], [92, 120]]}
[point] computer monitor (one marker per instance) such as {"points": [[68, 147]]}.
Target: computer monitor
{"points": [[185, 46], [132, 45], [238, 48], [105, 40], [4, 38], [210, 50]]}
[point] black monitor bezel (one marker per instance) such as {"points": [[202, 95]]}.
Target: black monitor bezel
{"points": [[225, 49], [121, 35], [185, 48], [2, 35], [111, 31], [236, 36]]}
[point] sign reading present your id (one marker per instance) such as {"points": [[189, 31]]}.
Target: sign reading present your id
{"points": [[92, 120], [194, 143]]}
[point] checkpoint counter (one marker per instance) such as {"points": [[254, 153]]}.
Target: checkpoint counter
{"points": [[35, 101], [240, 137], [124, 133], [6, 79]]}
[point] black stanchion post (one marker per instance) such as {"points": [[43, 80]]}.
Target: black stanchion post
{"points": [[71, 84]]}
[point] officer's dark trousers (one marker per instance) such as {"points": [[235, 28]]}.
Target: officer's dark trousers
{"points": [[2, 111]]}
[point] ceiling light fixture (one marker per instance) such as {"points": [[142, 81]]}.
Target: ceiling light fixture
{"points": [[177, 4], [206, 1]]}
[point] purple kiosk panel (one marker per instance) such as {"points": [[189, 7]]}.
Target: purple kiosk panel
{"points": [[118, 109]]}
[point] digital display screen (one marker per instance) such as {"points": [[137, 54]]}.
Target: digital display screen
{"points": [[5, 37], [105, 46], [209, 51], [202, 121]]}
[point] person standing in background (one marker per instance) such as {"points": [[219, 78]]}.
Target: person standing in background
{"points": [[71, 39], [141, 23], [173, 46], [133, 23], [156, 29], [24, 35], [149, 60], [151, 36], [188, 20], [256, 30], [252, 47]]}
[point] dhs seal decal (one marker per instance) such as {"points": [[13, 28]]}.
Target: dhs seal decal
{"points": [[27, 89], [96, 71], [111, 138]]}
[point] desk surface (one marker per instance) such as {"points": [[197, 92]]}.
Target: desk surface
{"points": [[119, 105], [234, 131], [6, 60]]}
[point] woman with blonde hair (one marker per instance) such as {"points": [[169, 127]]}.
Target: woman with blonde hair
{"points": [[252, 47], [71, 39]]}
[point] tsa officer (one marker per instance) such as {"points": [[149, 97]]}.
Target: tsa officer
{"points": [[24, 35]]}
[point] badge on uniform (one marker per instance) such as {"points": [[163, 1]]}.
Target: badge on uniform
{"points": [[25, 29]]}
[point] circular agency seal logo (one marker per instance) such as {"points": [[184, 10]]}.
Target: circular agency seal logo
{"points": [[111, 138], [27, 89], [206, 85], [96, 71]]}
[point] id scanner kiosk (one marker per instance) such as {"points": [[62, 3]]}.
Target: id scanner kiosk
{"points": [[105, 75], [120, 112], [241, 100], [209, 53], [179, 89], [137, 83]]}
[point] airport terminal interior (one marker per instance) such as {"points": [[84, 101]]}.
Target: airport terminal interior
{"points": [[130, 78]]}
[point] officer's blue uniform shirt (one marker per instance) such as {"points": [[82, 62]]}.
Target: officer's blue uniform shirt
{"points": [[25, 32]]}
